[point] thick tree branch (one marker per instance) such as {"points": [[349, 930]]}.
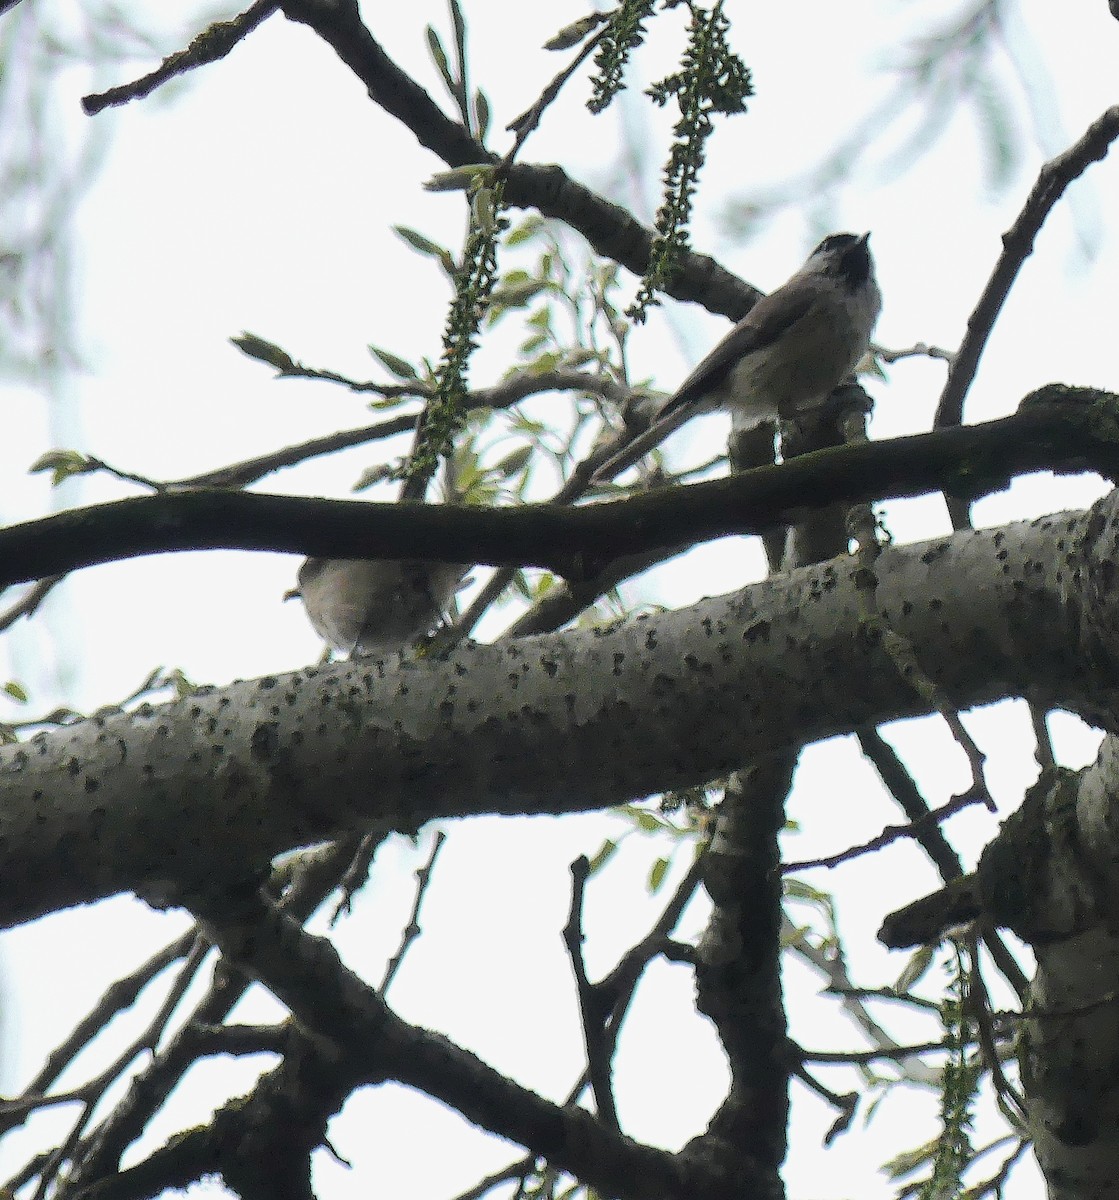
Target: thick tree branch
{"points": [[738, 964], [1076, 434], [214, 784]]}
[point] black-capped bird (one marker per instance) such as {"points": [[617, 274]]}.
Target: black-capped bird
{"points": [[785, 356]]}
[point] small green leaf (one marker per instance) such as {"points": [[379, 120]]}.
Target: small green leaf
{"points": [[909, 1161], [919, 962], [481, 114], [439, 57], [580, 358], [657, 873], [514, 295], [602, 856], [460, 179], [399, 367], [799, 890], [62, 464], [372, 476], [15, 691], [573, 34], [524, 230], [459, 22], [418, 242], [544, 363], [646, 821], [264, 351]]}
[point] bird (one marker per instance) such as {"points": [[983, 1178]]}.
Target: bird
{"points": [[365, 607], [785, 356]]}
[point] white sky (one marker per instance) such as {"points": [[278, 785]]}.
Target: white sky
{"points": [[260, 198]]}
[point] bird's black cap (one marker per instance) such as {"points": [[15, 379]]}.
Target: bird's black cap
{"points": [[849, 257]]}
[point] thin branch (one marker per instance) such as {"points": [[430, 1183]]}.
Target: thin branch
{"points": [[517, 1170], [620, 984], [917, 350], [892, 833], [1018, 243], [120, 995], [876, 1054], [529, 120], [501, 396], [591, 1009], [412, 929], [847, 1103], [903, 788], [209, 46], [357, 872], [903, 655], [1011, 1101], [29, 602]]}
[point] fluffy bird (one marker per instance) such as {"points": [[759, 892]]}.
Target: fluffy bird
{"points": [[366, 607], [785, 356]]}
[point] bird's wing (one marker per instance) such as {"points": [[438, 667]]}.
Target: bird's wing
{"points": [[763, 325]]}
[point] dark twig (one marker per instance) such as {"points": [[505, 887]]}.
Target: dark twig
{"points": [[209, 46], [591, 1009], [517, 1170], [903, 788], [876, 1054], [118, 996], [1018, 243], [892, 833], [356, 873], [412, 930], [521, 127], [501, 396], [1011, 1101], [619, 986], [29, 602], [845, 1102]]}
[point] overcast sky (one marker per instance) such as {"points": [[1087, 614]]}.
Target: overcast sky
{"points": [[258, 196]]}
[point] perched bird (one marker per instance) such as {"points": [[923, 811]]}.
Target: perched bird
{"points": [[366, 607], [784, 357]]}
